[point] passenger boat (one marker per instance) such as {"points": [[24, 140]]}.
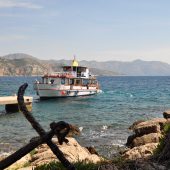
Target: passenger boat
{"points": [[74, 80]]}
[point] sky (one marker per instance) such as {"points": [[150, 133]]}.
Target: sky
{"points": [[101, 30]]}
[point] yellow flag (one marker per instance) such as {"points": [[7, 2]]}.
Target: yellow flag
{"points": [[75, 63]]}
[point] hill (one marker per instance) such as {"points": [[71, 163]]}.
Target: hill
{"points": [[23, 64], [134, 68], [18, 66], [18, 56]]}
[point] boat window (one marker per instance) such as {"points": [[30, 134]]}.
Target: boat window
{"points": [[66, 81], [75, 69], [71, 81], [93, 82], [46, 80], [78, 81], [85, 82], [64, 69], [43, 80], [62, 81], [52, 81]]}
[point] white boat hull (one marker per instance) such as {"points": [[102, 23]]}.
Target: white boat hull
{"points": [[48, 91]]}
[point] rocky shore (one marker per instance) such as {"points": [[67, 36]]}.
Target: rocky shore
{"points": [[141, 153], [43, 155]]}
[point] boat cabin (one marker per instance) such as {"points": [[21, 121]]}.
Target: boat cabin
{"points": [[78, 81], [77, 71]]}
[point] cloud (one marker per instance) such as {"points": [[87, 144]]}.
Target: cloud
{"points": [[18, 4]]}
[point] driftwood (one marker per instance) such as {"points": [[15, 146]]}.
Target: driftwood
{"points": [[60, 129]]}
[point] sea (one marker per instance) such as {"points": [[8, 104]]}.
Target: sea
{"points": [[103, 118]]}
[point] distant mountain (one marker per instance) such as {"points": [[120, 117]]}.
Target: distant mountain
{"points": [[23, 64], [18, 56], [134, 68]]}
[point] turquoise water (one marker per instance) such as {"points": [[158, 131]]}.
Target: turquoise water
{"points": [[105, 117]]}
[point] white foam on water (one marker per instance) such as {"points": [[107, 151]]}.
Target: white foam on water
{"points": [[110, 92], [81, 129], [131, 95], [100, 91], [104, 127], [2, 112], [119, 143]]}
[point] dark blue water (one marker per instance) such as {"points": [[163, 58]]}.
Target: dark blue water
{"points": [[105, 117]]}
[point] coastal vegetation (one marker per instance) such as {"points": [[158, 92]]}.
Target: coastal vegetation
{"points": [[78, 165]]}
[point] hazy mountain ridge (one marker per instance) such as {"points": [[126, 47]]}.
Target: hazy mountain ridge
{"points": [[21, 65], [134, 68], [24, 64]]}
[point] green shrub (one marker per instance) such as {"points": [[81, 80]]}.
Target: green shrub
{"points": [[33, 152], [81, 165], [166, 130]]}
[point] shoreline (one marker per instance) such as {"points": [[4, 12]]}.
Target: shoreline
{"points": [[141, 144]]}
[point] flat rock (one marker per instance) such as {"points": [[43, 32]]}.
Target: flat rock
{"points": [[20, 163], [144, 129], [143, 151], [151, 126], [72, 151], [145, 139], [132, 127]]}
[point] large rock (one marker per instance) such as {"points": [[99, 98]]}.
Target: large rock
{"points": [[134, 140], [145, 139], [166, 114], [74, 130], [132, 127], [161, 122], [72, 151], [144, 129], [20, 163], [130, 140], [143, 151], [150, 126]]}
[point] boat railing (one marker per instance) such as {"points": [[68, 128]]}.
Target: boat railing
{"points": [[62, 74]]}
